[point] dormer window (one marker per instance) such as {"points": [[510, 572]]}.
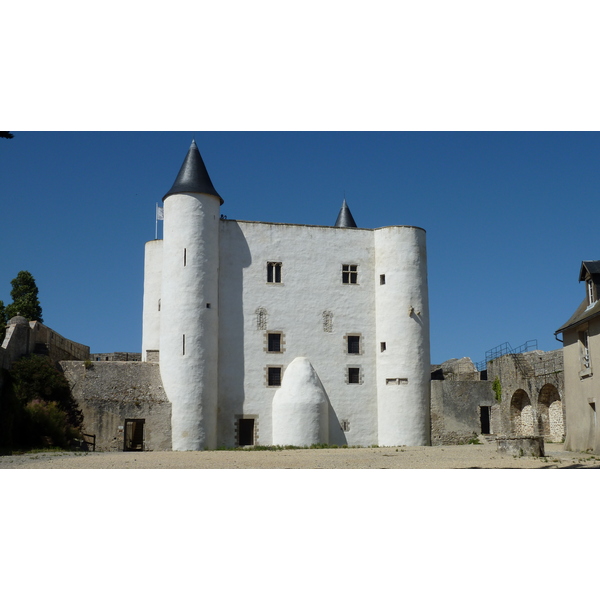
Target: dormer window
{"points": [[591, 291]]}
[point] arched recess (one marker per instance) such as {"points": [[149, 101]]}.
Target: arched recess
{"points": [[521, 413], [550, 419]]}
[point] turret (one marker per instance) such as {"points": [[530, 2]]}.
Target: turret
{"points": [[402, 322], [345, 218], [189, 304]]}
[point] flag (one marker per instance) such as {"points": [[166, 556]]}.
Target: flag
{"points": [[160, 213]]}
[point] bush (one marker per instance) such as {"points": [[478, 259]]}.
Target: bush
{"points": [[37, 406], [48, 425]]}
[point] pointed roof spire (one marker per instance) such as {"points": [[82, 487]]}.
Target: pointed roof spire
{"points": [[345, 218], [193, 177]]}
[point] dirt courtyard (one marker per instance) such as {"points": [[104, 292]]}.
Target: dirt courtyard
{"points": [[484, 456]]}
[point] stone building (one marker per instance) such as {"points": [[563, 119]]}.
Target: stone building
{"points": [[520, 394], [291, 334], [581, 345]]}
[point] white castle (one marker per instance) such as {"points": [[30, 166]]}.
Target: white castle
{"points": [[277, 334]]}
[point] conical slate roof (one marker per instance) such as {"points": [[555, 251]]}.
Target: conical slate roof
{"points": [[193, 177], [345, 218]]}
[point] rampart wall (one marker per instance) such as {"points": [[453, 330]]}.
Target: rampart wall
{"points": [[110, 393]]}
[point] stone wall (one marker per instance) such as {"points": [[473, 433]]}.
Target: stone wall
{"points": [[109, 393], [23, 338], [116, 357], [456, 410], [532, 395]]}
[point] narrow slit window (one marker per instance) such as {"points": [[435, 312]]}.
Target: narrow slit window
{"points": [[273, 272], [183, 344], [184, 257], [350, 274], [382, 280]]}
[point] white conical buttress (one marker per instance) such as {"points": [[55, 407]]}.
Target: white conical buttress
{"points": [[300, 407], [189, 317]]}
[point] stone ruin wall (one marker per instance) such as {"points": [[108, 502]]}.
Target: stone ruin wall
{"points": [[532, 394], [110, 392], [531, 403]]}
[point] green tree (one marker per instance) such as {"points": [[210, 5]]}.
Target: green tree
{"points": [[24, 294]]}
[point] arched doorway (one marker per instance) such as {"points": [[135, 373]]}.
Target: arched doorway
{"points": [[521, 414], [550, 419]]}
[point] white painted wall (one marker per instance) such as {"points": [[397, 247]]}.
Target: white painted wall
{"points": [[312, 259], [152, 297], [226, 356], [190, 283]]}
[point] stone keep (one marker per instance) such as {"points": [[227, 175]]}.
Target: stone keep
{"points": [[255, 323]]}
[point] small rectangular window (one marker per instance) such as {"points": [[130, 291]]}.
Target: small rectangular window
{"points": [[382, 280], [345, 425], [274, 342], [183, 345], [591, 292], [396, 381], [353, 375], [353, 344], [349, 274], [274, 376], [184, 257], [383, 346], [273, 272]]}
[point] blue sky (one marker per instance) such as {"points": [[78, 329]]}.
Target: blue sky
{"points": [[507, 216]]}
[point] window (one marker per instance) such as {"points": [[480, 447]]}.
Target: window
{"points": [[353, 374], [382, 280], [383, 346], [273, 272], [349, 273], [584, 353], [591, 292], [275, 342], [353, 344], [345, 425], [274, 376], [184, 257], [396, 381]]}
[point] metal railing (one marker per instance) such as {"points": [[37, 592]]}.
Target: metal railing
{"points": [[504, 349]]}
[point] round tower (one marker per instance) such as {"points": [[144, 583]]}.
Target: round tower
{"points": [[189, 305], [402, 322]]}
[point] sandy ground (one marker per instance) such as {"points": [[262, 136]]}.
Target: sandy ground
{"points": [[484, 456]]}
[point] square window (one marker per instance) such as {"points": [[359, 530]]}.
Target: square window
{"points": [[274, 342], [273, 272], [353, 344], [274, 376], [349, 274], [353, 375]]}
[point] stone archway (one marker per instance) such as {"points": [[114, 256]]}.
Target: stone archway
{"points": [[521, 414], [550, 414]]}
